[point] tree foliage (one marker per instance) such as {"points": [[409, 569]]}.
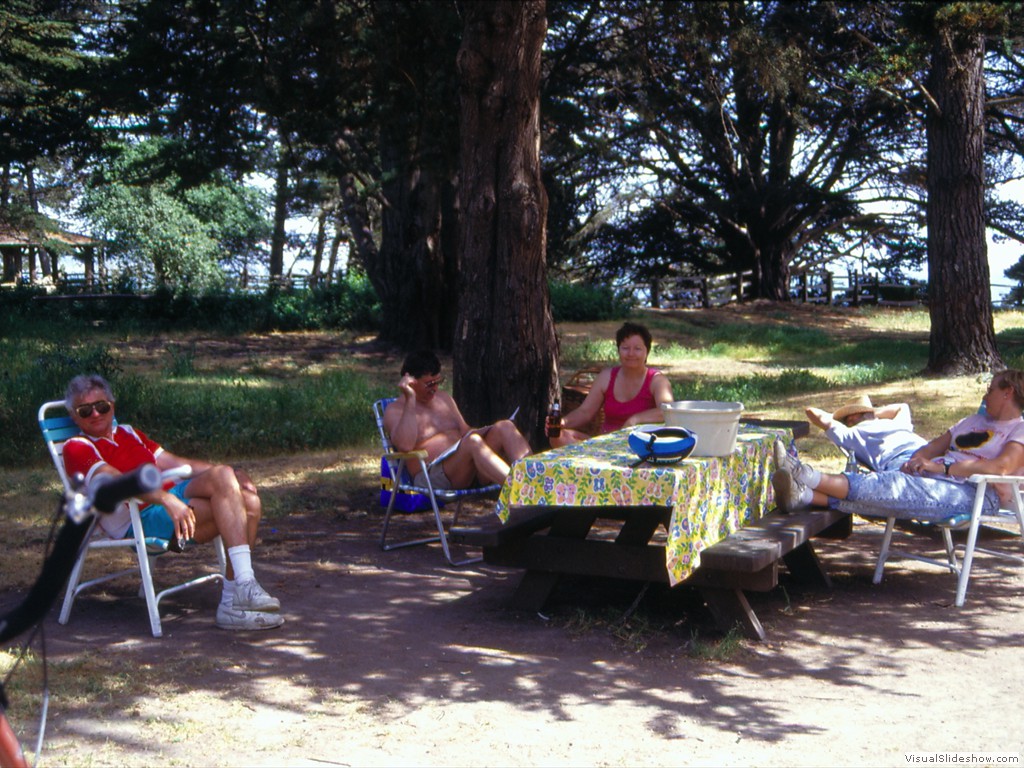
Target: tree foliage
{"points": [[677, 137], [161, 232], [742, 136]]}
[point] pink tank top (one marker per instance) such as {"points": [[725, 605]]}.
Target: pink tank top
{"points": [[616, 413]]}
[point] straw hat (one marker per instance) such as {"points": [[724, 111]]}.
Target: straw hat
{"points": [[861, 405]]}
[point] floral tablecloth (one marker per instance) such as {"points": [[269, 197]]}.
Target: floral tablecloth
{"points": [[709, 497]]}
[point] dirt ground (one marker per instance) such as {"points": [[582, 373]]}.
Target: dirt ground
{"points": [[395, 659]]}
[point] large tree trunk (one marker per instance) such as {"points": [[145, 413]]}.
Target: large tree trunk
{"points": [[505, 347], [413, 269], [962, 333], [316, 272], [418, 310], [771, 278], [279, 234]]}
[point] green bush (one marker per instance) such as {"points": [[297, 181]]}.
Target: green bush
{"points": [[577, 302], [216, 416], [35, 373], [346, 303], [194, 414]]}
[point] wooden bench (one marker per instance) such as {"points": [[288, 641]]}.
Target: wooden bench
{"points": [[549, 542], [749, 560]]}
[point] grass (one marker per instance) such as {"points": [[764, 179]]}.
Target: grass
{"points": [[297, 405], [319, 459], [724, 648]]}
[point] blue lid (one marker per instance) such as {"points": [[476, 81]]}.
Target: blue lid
{"points": [[661, 444]]}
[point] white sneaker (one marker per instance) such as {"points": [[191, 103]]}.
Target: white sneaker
{"points": [[785, 460], [250, 596], [233, 618], [788, 491], [782, 458]]}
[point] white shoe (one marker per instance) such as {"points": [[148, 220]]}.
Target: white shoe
{"points": [[788, 491], [782, 458], [785, 460], [250, 596], [233, 618]]}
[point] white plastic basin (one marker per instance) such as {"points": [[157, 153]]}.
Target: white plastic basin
{"points": [[714, 422]]}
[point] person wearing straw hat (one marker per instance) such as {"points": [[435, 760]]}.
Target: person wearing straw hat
{"points": [[880, 438], [935, 480]]}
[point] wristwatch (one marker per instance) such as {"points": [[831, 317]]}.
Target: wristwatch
{"points": [[948, 464]]}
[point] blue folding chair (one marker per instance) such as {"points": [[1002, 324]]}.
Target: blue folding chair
{"points": [[397, 481]]}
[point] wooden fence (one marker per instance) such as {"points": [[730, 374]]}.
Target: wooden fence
{"points": [[822, 287]]}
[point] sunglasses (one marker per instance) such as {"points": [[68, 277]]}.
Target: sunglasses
{"points": [[434, 383], [84, 411]]}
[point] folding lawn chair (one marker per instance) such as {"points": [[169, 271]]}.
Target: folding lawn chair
{"points": [[961, 566], [56, 430], [397, 484]]}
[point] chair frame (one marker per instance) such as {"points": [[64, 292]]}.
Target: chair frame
{"points": [[961, 566], [56, 430], [397, 462]]}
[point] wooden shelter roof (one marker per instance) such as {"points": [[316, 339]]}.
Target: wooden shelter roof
{"points": [[14, 236]]}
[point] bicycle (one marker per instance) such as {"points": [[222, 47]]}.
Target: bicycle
{"points": [[76, 515]]}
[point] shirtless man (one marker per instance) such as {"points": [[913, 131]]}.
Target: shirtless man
{"points": [[425, 418]]}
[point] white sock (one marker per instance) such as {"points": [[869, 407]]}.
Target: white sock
{"points": [[241, 562], [808, 476], [806, 495]]}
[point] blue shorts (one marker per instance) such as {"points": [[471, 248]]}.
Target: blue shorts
{"points": [[911, 497], [156, 521]]}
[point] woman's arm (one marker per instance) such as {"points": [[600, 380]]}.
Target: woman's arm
{"points": [[924, 458], [591, 404], [1008, 462], [819, 418], [892, 411], [168, 460]]}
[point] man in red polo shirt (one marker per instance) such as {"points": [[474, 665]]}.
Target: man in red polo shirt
{"points": [[215, 500]]}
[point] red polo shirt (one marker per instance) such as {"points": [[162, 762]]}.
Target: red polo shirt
{"points": [[128, 449]]}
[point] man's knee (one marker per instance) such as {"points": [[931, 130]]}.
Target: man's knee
{"points": [[245, 482], [223, 478], [474, 442]]}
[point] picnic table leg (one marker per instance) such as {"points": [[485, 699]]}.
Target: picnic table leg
{"points": [[730, 608], [536, 585], [803, 563], [641, 525]]}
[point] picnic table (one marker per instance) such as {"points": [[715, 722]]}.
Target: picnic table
{"points": [[556, 507]]}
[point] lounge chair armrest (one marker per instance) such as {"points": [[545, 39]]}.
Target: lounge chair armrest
{"points": [[421, 455], [996, 478]]}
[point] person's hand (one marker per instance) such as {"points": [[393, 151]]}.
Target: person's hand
{"points": [[405, 386], [916, 465], [184, 519], [821, 419]]}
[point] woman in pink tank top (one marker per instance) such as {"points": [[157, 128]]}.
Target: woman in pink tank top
{"points": [[630, 393]]}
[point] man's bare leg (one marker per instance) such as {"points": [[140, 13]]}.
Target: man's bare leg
{"points": [[475, 460], [505, 439]]}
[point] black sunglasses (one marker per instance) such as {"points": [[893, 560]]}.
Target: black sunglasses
{"points": [[85, 410]]}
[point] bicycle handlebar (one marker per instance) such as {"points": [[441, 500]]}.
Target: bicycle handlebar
{"points": [[103, 493], [109, 491]]}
